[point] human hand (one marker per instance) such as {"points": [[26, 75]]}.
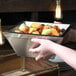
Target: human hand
{"points": [[57, 22], [42, 47]]}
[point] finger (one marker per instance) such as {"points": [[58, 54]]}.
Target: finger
{"points": [[35, 45], [39, 57], [57, 22], [35, 40], [34, 50]]}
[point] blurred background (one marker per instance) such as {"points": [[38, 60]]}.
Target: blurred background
{"points": [[14, 11]]}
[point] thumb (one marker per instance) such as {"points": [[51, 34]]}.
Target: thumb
{"points": [[39, 57]]}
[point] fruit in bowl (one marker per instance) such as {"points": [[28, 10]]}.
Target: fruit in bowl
{"points": [[40, 28]]}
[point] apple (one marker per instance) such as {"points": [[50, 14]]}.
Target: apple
{"points": [[46, 32], [24, 28]]}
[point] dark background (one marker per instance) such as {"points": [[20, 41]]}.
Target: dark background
{"points": [[13, 18], [14, 11]]}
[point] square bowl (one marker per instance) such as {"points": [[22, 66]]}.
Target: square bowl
{"points": [[21, 42]]}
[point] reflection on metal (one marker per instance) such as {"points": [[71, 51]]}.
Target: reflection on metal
{"points": [[23, 64]]}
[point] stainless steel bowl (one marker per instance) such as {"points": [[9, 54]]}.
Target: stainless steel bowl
{"points": [[21, 42]]}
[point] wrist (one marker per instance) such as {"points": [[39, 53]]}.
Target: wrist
{"points": [[53, 47]]}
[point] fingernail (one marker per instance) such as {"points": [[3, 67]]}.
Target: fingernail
{"points": [[36, 59], [32, 39]]}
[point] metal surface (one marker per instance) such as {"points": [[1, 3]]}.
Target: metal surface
{"points": [[21, 42]]}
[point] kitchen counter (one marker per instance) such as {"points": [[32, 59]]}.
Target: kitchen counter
{"points": [[11, 64]]}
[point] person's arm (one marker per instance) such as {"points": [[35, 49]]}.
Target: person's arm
{"points": [[65, 53], [47, 48]]}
